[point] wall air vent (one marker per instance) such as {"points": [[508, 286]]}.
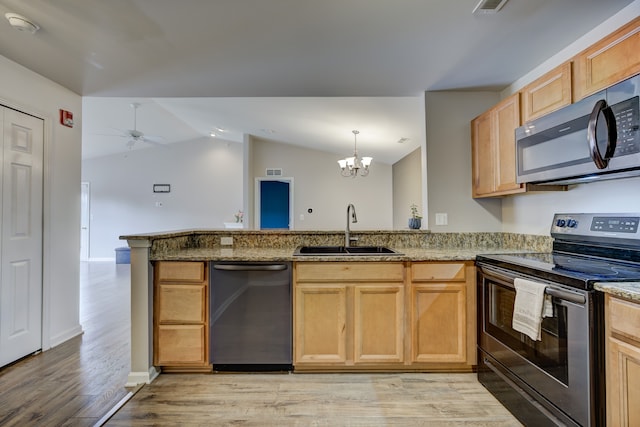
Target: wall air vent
{"points": [[488, 6], [274, 172]]}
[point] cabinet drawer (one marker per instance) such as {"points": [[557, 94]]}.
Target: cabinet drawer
{"points": [[625, 318], [181, 303], [454, 271], [180, 271], [179, 344], [350, 271]]}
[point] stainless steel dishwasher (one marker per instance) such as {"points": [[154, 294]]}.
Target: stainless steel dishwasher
{"points": [[251, 316]]}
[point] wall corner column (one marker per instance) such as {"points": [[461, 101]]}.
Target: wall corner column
{"points": [[142, 369]]}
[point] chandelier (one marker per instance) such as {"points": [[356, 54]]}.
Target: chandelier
{"points": [[354, 166]]}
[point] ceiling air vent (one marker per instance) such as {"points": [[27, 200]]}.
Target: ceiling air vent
{"points": [[488, 6], [274, 172]]}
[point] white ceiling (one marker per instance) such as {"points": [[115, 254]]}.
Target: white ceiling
{"points": [[308, 71]]}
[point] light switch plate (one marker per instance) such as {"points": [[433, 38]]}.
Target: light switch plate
{"points": [[226, 241], [441, 219]]}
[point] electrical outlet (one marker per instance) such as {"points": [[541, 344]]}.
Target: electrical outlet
{"points": [[226, 241], [441, 219]]}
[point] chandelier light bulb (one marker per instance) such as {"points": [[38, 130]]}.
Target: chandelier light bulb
{"points": [[354, 166]]}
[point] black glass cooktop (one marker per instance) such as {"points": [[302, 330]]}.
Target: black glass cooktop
{"points": [[573, 270]]}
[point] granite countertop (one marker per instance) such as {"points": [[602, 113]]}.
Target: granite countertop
{"points": [[627, 290], [286, 254]]}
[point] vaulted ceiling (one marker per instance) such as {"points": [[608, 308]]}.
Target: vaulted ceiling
{"points": [[298, 71]]}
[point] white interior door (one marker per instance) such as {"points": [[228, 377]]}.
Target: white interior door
{"points": [[84, 221], [21, 221]]}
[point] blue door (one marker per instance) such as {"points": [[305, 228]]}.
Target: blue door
{"points": [[274, 205]]}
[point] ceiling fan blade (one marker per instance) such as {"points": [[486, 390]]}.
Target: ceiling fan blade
{"points": [[153, 141]]}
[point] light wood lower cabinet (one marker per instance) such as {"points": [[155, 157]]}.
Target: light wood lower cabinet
{"points": [[181, 319], [348, 314], [623, 362], [384, 316], [443, 324]]}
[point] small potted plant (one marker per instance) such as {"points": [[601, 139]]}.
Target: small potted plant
{"points": [[415, 222]]}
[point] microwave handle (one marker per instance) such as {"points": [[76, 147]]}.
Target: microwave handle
{"points": [[601, 161]]}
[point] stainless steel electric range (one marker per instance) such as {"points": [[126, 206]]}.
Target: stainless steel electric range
{"points": [[558, 379]]}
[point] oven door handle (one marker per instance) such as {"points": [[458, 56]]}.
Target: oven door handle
{"points": [[506, 278], [566, 296]]}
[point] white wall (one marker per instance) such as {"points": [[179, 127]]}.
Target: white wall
{"points": [[319, 186], [206, 190], [25, 90], [449, 115], [407, 188]]}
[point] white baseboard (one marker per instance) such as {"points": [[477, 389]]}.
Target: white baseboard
{"points": [[136, 378], [102, 259], [66, 335]]}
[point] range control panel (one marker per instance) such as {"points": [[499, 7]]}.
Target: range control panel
{"points": [[604, 227], [615, 224]]}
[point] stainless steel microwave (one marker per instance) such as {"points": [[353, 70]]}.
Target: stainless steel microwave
{"points": [[594, 139]]}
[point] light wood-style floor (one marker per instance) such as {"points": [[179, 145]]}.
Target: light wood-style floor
{"points": [[78, 382], [314, 400]]}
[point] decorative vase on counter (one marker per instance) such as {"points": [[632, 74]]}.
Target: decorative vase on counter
{"points": [[415, 223]]}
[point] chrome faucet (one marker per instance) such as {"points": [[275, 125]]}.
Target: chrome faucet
{"points": [[347, 233]]}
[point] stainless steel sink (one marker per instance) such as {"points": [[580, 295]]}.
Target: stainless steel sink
{"points": [[343, 251]]}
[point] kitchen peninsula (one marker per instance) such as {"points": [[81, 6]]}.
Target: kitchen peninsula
{"points": [[428, 262]]}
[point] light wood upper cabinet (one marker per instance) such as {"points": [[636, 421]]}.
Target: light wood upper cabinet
{"points": [[611, 60], [623, 362], [181, 320], [493, 149], [507, 119], [547, 93], [484, 159]]}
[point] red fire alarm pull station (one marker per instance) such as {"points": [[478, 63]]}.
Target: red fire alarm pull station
{"points": [[66, 118]]}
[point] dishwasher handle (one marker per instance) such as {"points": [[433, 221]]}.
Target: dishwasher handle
{"points": [[250, 267]]}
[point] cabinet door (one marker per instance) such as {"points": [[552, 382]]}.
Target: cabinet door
{"points": [[439, 322], [623, 384], [507, 119], [320, 324], [609, 61], [378, 323], [547, 93], [484, 165], [180, 345]]}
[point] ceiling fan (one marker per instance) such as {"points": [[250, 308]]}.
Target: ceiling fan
{"points": [[134, 135]]}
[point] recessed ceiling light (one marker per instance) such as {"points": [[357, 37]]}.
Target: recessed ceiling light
{"points": [[21, 23], [403, 140]]}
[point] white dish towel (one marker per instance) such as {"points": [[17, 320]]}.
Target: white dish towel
{"points": [[530, 307]]}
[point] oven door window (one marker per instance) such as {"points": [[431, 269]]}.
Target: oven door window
{"points": [[550, 353]]}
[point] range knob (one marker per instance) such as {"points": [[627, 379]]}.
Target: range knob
{"points": [[572, 223], [560, 223]]}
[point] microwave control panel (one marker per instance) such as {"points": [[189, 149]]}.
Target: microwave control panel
{"points": [[627, 121]]}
